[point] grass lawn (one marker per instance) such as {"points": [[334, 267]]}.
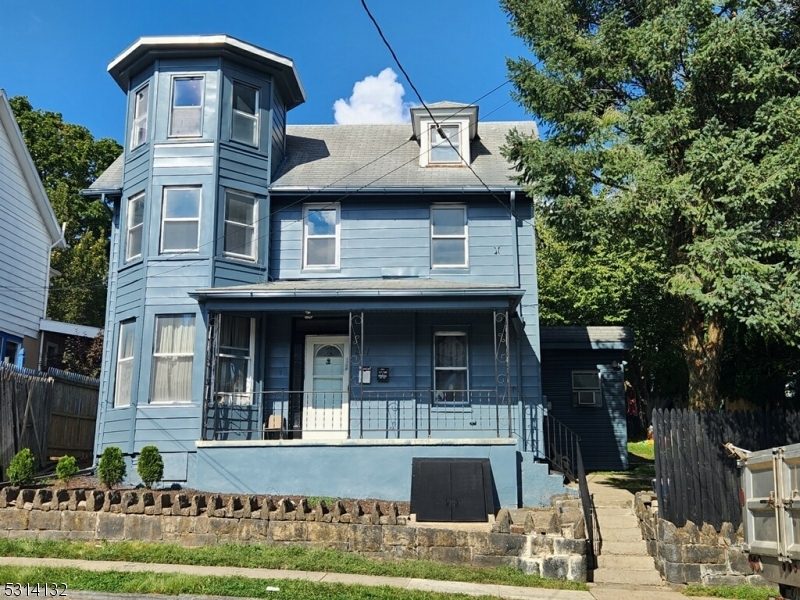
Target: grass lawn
{"points": [[269, 557], [174, 584], [739, 592], [644, 450]]}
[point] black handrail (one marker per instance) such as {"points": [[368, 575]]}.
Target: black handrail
{"points": [[563, 452]]}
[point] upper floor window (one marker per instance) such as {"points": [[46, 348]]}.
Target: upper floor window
{"points": [[180, 221], [124, 374], [186, 115], [450, 368], [586, 388], [321, 233], [444, 149], [173, 358], [244, 116], [449, 240], [140, 103], [240, 224], [133, 240], [234, 363]]}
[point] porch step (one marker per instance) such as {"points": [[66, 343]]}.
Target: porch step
{"points": [[628, 577], [625, 548], [625, 562]]}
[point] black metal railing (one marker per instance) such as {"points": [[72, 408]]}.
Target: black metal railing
{"points": [[563, 452], [283, 414]]}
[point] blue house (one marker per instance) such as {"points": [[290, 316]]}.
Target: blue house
{"points": [[306, 309]]}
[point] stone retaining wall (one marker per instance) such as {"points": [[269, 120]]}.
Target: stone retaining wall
{"points": [[692, 553], [549, 543]]}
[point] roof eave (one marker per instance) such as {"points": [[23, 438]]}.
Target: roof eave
{"points": [[246, 293]]}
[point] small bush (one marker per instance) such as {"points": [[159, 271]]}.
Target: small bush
{"points": [[150, 466], [111, 469], [22, 468], [67, 468]]}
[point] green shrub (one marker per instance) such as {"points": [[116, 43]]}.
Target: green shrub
{"points": [[67, 468], [22, 468], [150, 466], [111, 469]]}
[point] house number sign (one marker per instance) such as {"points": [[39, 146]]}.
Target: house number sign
{"points": [[383, 374]]}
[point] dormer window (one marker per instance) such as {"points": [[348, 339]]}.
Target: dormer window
{"points": [[444, 149]]}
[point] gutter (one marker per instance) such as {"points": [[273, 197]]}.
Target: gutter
{"points": [[212, 293], [469, 189]]}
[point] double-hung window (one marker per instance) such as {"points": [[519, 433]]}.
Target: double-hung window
{"points": [[180, 221], [124, 374], [234, 363], [450, 368], [173, 358], [133, 239], [321, 233], [449, 241], [586, 388], [444, 150], [240, 225], [244, 114], [140, 104], [186, 114]]}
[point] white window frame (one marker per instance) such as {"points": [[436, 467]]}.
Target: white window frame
{"points": [[165, 220], [337, 235], [253, 227], [245, 398], [157, 355], [578, 391], [254, 117], [131, 228], [441, 401], [464, 236], [435, 142], [172, 107], [123, 359], [138, 119]]}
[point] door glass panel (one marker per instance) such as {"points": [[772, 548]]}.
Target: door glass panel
{"points": [[328, 376]]}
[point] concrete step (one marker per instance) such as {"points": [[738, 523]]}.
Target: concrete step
{"points": [[614, 512], [625, 562], [608, 534], [617, 523], [638, 548], [612, 575]]}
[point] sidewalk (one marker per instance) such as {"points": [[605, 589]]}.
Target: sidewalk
{"points": [[598, 592]]}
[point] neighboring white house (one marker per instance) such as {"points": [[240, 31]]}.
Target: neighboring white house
{"points": [[29, 231]]}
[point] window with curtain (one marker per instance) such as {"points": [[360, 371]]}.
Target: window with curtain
{"points": [[450, 368], [173, 357], [124, 375], [234, 361]]}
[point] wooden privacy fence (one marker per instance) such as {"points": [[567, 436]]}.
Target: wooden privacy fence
{"points": [[52, 414], [696, 479]]}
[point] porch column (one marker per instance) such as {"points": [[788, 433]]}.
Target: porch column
{"points": [[209, 381], [502, 368], [356, 334]]}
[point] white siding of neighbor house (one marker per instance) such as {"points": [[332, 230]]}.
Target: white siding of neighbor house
{"points": [[24, 247]]}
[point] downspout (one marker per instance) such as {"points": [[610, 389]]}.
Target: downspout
{"points": [[47, 289]]}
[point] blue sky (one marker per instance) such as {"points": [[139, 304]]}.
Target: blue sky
{"points": [[56, 52]]}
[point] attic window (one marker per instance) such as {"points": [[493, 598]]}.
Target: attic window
{"points": [[444, 150]]}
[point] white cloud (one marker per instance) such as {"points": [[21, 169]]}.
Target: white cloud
{"points": [[374, 100]]}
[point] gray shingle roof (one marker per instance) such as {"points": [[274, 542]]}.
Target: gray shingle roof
{"points": [[600, 337], [374, 157], [111, 179], [382, 157]]}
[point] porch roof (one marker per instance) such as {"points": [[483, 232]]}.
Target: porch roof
{"points": [[373, 293]]}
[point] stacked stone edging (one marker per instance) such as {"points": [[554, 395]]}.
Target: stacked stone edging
{"points": [[209, 519], [692, 554]]}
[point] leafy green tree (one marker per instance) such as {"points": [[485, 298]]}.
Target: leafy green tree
{"points": [[68, 160], [673, 128]]}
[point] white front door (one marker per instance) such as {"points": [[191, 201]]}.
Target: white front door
{"points": [[325, 404]]}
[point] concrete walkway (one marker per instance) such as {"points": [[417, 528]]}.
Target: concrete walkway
{"points": [[598, 592], [623, 556]]}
